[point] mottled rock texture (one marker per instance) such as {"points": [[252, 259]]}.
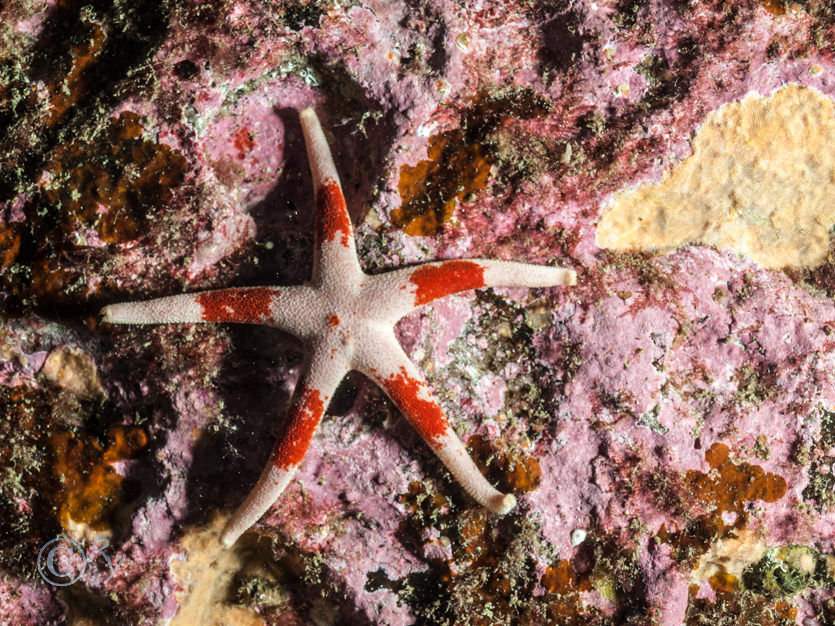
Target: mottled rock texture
{"points": [[668, 425]]}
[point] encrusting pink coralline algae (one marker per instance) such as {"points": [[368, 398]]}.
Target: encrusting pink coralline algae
{"points": [[666, 425]]}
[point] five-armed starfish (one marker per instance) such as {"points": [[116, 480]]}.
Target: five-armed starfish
{"points": [[347, 319]]}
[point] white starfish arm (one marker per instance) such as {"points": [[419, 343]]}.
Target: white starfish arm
{"points": [[310, 401], [335, 255], [388, 365], [288, 308], [398, 292]]}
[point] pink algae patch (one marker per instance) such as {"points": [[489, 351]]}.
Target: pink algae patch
{"points": [[434, 282], [331, 214], [301, 423], [425, 416], [236, 305]]}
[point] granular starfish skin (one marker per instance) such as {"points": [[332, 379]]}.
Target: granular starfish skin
{"points": [[347, 317]]}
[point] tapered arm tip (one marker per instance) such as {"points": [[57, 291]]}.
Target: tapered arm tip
{"points": [[113, 315], [228, 538], [502, 503]]}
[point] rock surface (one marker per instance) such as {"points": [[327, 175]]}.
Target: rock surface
{"points": [[668, 425]]}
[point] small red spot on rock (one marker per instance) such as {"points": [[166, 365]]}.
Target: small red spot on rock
{"points": [[244, 141], [333, 320]]}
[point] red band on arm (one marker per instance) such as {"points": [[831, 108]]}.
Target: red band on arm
{"points": [[437, 281], [236, 305], [332, 217], [297, 433], [425, 416]]}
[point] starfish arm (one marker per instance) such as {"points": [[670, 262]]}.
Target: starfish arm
{"points": [[398, 292], [389, 366], [286, 308], [310, 400], [335, 254]]}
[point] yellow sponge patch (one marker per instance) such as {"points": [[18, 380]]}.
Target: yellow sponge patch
{"points": [[760, 181]]}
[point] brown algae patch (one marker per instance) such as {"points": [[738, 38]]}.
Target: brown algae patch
{"points": [[760, 181], [511, 471], [727, 489], [483, 571], [89, 486], [459, 161], [113, 184]]}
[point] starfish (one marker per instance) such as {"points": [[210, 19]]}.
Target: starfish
{"points": [[346, 318]]}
